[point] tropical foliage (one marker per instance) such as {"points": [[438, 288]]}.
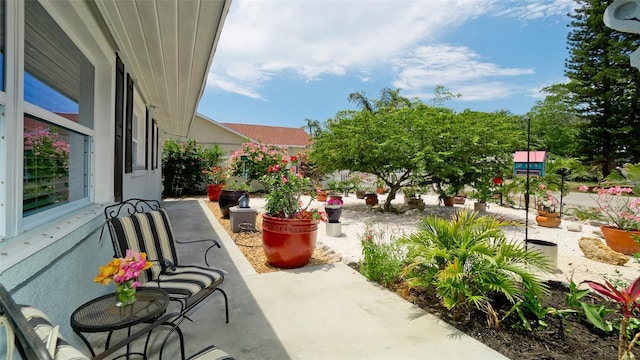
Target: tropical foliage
{"points": [[468, 259], [627, 300]]}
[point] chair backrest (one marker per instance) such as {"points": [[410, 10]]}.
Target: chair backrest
{"points": [[32, 329], [148, 232]]}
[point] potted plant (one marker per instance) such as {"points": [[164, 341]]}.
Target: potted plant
{"points": [[216, 178], [289, 230], [354, 182], [409, 193], [484, 190], [547, 205], [333, 208], [335, 188], [381, 186], [621, 209], [359, 190], [230, 195], [321, 195], [447, 192]]}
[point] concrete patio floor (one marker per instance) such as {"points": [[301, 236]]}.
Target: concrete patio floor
{"points": [[324, 312]]}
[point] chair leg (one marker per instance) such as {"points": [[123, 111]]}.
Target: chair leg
{"points": [[226, 303]]}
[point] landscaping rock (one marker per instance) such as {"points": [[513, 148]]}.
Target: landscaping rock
{"points": [[412, 212], [595, 249], [574, 227]]}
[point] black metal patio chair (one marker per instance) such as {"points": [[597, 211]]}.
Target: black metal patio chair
{"points": [[143, 226], [31, 332]]}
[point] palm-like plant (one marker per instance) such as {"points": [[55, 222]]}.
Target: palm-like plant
{"points": [[468, 259]]}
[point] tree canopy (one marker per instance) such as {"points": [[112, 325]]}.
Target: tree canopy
{"points": [[604, 87], [401, 140]]}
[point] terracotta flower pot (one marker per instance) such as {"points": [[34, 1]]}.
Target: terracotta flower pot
{"points": [[360, 194], [548, 219], [448, 201], [371, 199], [288, 243], [213, 191], [621, 240], [321, 196]]}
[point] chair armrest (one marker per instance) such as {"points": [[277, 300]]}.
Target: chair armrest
{"points": [[164, 264], [214, 243]]}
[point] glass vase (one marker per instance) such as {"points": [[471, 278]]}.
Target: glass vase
{"points": [[125, 293]]}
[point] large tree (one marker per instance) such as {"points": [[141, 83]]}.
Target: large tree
{"points": [[604, 87], [400, 140], [381, 143], [466, 147], [555, 127]]}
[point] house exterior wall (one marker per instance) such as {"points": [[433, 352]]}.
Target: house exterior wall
{"points": [[207, 133], [52, 265]]}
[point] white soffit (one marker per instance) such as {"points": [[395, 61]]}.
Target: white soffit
{"points": [[167, 47]]}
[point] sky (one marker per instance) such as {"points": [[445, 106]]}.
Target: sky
{"points": [[281, 62]]}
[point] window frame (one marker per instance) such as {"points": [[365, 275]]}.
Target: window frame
{"points": [[139, 132], [14, 224]]}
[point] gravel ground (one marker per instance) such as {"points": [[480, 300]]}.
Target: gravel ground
{"points": [[357, 217]]}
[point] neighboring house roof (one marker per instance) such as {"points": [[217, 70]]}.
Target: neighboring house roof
{"points": [[274, 135], [534, 156]]}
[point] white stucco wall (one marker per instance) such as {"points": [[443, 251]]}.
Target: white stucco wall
{"points": [[52, 266]]}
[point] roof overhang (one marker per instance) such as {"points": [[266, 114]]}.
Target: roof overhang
{"points": [[167, 47]]}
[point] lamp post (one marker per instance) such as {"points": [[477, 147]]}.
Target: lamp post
{"points": [[526, 199], [563, 173], [244, 158]]}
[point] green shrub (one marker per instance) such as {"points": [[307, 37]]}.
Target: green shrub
{"points": [[183, 165], [468, 259], [382, 261]]}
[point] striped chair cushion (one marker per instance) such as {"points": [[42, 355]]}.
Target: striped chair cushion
{"points": [[148, 232], [42, 326], [187, 280], [211, 353]]}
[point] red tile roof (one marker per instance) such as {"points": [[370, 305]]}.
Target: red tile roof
{"points": [[273, 135], [534, 156]]}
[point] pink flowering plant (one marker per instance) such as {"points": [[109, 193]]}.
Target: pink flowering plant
{"points": [[253, 159], [545, 199], [334, 201], [216, 175], [618, 206], [122, 270], [285, 187]]}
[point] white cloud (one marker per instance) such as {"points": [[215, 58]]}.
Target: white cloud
{"points": [[446, 65], [264, 39], [537, 9]]}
